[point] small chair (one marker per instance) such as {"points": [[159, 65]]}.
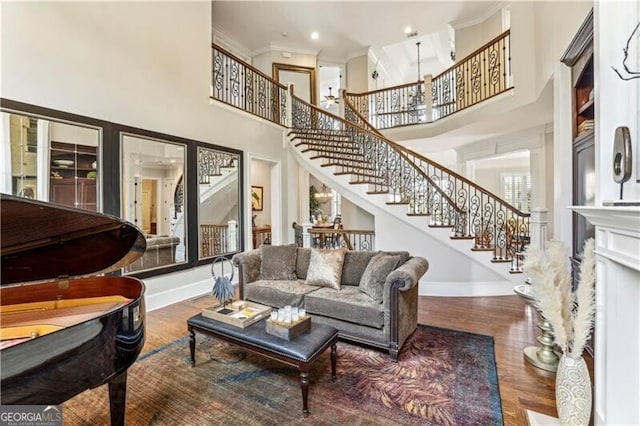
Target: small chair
{"points": [[333, 240]]}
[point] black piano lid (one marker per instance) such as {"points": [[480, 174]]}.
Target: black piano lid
{"points": [[40, 240]]}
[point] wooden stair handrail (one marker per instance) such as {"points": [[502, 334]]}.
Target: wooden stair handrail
{"points": [[405, 151]]}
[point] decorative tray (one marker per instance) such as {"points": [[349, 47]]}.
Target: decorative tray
{"points": [[239, 313], [288, 331]]}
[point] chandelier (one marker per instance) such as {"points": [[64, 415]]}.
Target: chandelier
{"points": [[210, 164], [323, 196]]}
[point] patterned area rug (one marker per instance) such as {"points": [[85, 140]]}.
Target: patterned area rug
{"points": [[443, 377]]}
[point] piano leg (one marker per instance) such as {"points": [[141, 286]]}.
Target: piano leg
{"points": [[117, 398]]}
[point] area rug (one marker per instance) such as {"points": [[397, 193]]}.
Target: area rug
{"points": [[443, 377]]}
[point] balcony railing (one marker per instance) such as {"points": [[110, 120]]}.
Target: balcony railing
{"points": [[394, 106], [240, 85], [215, 240], [332, 239], [261, 235], [479, 76]]}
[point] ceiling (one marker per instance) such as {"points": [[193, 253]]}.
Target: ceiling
{"points": [[345, 28]]}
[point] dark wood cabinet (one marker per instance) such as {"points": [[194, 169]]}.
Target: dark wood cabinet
{"points": [[579, 57], [74, 175]]}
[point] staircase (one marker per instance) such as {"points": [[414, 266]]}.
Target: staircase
{"points": [[355, 149], [453, 214]]}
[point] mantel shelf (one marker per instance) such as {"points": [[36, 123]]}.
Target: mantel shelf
{"points": [[617, 232], [618, 217]]}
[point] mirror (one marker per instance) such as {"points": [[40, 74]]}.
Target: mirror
{"points": [[218, 203], [153, 198], [50, 160], [303, 79]]}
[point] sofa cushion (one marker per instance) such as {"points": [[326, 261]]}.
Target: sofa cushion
{"points": [[278, 293], [302, 262], [278, 262], [354, 265], [375, 274], [325, 268], [404, 255], [347, 304]]}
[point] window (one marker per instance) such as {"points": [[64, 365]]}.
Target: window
{"points": [[516, 190]]}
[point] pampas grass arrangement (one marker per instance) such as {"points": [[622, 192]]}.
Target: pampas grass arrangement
{"points": [[571, 314]]}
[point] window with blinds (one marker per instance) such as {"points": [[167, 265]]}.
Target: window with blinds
{"points": [[516, 190]]}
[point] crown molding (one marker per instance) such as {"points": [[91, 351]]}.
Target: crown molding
{"points": [[580, 43], [229, 44], [329, 60], [465, 23], [271, 47], [357, 53]]}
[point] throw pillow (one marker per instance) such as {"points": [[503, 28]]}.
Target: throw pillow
{"points": [[375, 274], [325, 268], [278, 262]]}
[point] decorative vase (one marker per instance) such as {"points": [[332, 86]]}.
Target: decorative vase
{"points": [[573, 391]]}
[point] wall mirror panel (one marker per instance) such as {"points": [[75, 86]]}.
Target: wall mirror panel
{"points": [[303, 79], [51, 160], [153, 198], [218, 202], [189, 215]]}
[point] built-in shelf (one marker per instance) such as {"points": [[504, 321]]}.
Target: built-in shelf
{"points": [[585, 107], [584, 136]]}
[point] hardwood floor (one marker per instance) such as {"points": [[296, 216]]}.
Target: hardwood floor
{"points": [[508, 319]]}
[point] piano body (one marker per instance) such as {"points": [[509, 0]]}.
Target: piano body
{"points": [[64, 328]]}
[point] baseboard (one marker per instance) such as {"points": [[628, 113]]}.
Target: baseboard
{"points": [[466, 289], [178, 294]]}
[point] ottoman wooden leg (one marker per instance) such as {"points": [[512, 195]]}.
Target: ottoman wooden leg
{"points": [[334, 357], [304, 383], [192, 346]]}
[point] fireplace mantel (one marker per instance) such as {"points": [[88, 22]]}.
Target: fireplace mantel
{"points": [[617, 329], [617, 232]]}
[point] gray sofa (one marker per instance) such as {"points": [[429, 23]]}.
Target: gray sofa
{"points": [[370, 297]]}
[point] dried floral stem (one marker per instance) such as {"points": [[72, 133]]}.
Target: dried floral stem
{"points": [[585, 301], [570, 314], [548, 297]]}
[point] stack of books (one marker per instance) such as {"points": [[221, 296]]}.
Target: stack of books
{"points": [[585, 126]]}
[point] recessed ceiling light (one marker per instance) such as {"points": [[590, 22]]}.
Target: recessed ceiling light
{"points": [[285, 35], [315, 36], [407, 29]]}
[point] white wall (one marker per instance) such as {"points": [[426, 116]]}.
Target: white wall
{"points": [[556, 24], [470, 38], [355, 217], [617, 101], [358, 75], [145, 65]]}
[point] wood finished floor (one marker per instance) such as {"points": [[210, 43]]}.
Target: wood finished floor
{"points": [[508, 319]]}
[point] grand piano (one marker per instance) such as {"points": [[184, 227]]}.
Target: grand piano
{"points": [[65, 326]]}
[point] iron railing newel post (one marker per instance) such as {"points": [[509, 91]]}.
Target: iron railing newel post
{"points": [[428, 106], [288, 122]]}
